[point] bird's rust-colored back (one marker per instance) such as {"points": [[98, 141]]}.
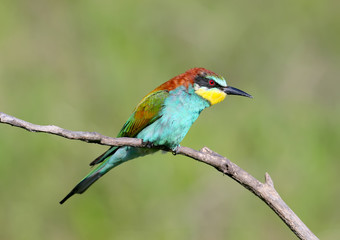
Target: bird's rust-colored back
{"points": [[184, 79]]}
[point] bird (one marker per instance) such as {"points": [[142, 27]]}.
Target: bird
{"points": [[162, 119]]}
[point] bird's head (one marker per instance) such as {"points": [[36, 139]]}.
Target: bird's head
{"points": [[212, 86], [206, 84]]}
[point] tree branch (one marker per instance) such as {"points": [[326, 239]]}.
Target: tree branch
{"points": [[265, 191]]}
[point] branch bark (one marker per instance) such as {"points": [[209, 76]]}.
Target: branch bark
{"points": [[265, 191]]}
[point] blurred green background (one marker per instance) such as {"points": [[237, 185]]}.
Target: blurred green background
{"points": [[84, 65]]}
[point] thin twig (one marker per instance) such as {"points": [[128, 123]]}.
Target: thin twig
{"points": [[265, 191]]}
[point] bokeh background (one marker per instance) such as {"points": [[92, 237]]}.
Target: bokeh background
{"points": [[84, 65]]}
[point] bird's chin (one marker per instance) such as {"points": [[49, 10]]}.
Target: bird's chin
{"points": [[212, 95]]}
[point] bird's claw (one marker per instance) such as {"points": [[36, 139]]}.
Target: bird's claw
{"points": [[148, 144], [174, 150]]}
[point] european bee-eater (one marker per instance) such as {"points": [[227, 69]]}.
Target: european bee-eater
{"points": [[162, 118]]}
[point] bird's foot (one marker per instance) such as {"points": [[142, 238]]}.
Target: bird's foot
{"points": [[148, 144], [174, 150]]}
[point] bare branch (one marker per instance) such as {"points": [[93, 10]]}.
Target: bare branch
{"points": [[90, 137], [265, 191]]}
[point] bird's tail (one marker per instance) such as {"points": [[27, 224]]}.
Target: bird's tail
{"points": [[105, 165]]}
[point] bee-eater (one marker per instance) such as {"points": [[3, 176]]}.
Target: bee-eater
{"points": [[162, 118]]}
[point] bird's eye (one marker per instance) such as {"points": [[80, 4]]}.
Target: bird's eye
{"points": [[211, 82]]}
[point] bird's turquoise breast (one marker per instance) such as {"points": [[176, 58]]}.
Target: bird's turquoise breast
{"points": [[180, 111]]}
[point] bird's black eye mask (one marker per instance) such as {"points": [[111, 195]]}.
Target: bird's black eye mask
{"points": [[205, 81]]}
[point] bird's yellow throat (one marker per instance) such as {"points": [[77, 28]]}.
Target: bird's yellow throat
{"points": [[213, 95]]}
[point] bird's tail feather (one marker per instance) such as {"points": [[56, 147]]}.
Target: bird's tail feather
{"points": [[93, 176], [82, 186], [102, 157]]}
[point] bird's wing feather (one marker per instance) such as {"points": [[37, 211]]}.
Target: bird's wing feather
{"points": [[146, 112]]}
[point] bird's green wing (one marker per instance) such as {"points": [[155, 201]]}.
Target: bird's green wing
{"points": [[146, 112]]}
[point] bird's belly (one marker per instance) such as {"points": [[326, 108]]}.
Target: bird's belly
{"points": [[167, 131]]}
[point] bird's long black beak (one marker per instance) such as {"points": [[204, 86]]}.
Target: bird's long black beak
{"points": [[234, 91]]}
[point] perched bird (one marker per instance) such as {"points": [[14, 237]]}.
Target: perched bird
{"points": [[162, 118]]}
